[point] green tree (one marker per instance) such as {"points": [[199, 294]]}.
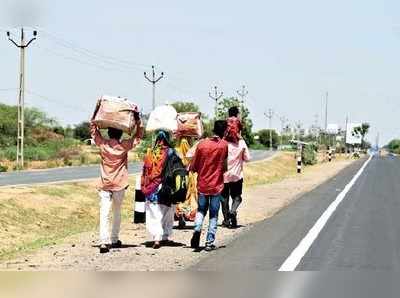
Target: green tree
{"points": [[183, 106], [221, 112], [362, 131], [82, 131], [264, 135], [394, 146]]}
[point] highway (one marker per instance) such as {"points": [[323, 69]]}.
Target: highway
{"points": [[362, 233], [58, 175]]}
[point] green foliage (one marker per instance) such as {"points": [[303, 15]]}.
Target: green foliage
{"points": [[394, 146], [182, 106], [309, 155], [221, 112], [34, 120], [264, 135], [82, 131]]}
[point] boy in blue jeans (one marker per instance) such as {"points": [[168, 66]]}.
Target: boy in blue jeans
{"points": [[210, 163]]}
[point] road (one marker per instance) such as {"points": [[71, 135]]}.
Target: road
{"points": [[363, 233], [78, 173]]}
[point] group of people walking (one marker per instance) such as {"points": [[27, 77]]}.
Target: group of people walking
{"points": [[214, 175]]}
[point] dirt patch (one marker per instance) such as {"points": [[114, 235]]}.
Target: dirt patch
{"points": [[79, 252]]}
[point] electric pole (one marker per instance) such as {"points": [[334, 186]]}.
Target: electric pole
{"points": [[242, 93], [216, 97], [283, 122], [153, 81], [326, 112], [21, 96], [269, 115]]}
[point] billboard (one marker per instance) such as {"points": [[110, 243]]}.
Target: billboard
{"points": [[350, 137]]}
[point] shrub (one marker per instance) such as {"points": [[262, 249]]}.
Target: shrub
{"points": [[309, 155]]}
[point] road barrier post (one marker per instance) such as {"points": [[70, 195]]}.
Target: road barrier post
{"points": [[329, 155], [140, 211], [299, 164]]}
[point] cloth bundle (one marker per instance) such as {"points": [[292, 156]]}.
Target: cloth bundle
{"points": [[163, 118], [190, 125], [115, 112]]}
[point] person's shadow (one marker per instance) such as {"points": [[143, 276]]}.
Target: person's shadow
{"points": [[123, 246], [169, 243]]}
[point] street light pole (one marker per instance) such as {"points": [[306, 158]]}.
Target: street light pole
{"points": [[21, 96], [269, 115]]}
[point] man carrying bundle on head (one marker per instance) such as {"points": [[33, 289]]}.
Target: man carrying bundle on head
{"points": [[114, 162]]}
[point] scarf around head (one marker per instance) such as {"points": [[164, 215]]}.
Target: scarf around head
{"points": [[153, 166]]}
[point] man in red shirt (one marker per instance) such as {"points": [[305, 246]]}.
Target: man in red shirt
{"points": [[210, 163]]}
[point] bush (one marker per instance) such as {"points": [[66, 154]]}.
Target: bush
{"points": [[3, 168], [309, 155], [264, 135]]}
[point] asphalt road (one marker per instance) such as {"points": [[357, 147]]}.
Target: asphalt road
{"points": [[78, 173], [363, 233]]}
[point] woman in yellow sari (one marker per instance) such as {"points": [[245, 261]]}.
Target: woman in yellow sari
{"points": [[186, 211]]}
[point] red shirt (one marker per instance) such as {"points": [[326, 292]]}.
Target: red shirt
{"points": [[209, 160]]}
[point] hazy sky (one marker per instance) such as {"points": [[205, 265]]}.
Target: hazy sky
{"points": [[288, 54]]}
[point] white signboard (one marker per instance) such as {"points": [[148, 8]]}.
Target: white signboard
{"points": [[352, 138], [332, 129]]}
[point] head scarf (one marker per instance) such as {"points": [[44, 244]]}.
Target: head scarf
{"points": [[154, 162]]}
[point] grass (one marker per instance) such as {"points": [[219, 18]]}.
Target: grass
{"points": [[38, 216]]}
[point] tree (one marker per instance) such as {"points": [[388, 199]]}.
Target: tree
{"points": [[361, 131], [182, 106], [221, 112], [394, 146], [82, 131], [264, 135]]}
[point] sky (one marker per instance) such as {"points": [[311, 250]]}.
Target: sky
{"points": [[287, 53]]}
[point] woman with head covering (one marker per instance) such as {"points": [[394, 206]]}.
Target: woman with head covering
{"points": [[186, 211], [159, 213]]}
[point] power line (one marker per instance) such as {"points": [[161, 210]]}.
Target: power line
{"points": [[92, 54]]}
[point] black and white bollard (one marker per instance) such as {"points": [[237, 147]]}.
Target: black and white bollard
{"points": [[140, 210], [299, 164], [330, 155]]}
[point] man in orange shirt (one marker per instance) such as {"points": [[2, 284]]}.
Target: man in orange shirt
{"points": [[114, 180]]}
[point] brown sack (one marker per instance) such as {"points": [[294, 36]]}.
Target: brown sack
{"points": [[115, 112], [190, 125]]}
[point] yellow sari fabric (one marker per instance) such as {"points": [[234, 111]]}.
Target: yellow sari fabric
{"points": [[188, 208]]}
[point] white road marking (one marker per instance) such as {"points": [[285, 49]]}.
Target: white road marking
{"points": [[299, 252]]}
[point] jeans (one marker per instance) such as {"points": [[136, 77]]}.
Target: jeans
{"points": [[110, 200], [206, 203]]}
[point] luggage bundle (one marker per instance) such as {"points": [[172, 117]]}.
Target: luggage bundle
{"points": [[163, 118], [115, 112], [190, 125]]}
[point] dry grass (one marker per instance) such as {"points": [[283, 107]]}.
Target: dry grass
{"points": [[33, 217], [272, 170]]}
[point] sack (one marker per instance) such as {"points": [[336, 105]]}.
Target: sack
{"points": [[163, 118], [234, 127], [115, 112], [175, 182], [190, 125]]}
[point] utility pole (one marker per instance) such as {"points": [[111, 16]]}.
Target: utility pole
{"points": [[326, 112], [283, 122], [242, 93], [21, 96], [269, 115], [216, 97], [153, 81]]}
